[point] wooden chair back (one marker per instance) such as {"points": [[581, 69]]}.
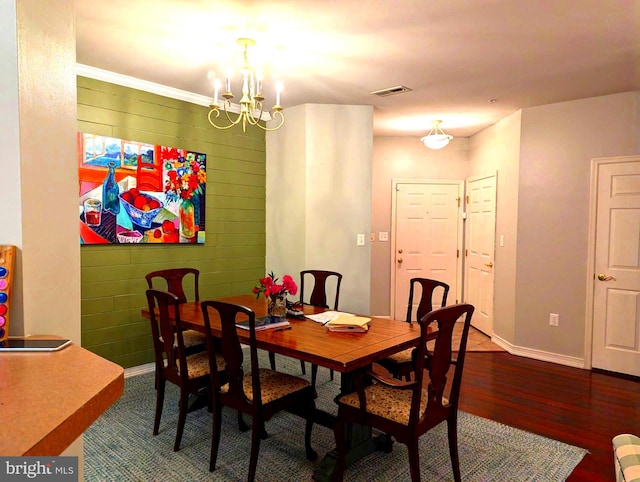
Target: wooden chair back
{"points": [[174, 278], [442, 390], [166, 330], [429, 289], [284, 392], [318, 295], [439, 364], [230, 349], [172, 361]]}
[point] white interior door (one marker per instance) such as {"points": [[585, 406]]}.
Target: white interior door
{"points": [[427, 238], [616, 307], [480, 248]]}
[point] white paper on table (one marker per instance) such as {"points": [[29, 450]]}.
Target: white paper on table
{"points": [[327, 316]]}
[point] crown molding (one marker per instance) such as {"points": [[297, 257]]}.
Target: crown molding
{"points": [[151, 87]]}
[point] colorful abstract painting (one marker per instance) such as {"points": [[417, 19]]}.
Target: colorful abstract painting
{"points": [[132, 192]]}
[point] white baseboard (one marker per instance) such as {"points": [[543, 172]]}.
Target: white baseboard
{"points": [[539, 354], [139, 370]]}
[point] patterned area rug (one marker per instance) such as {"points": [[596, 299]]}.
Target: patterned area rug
{"points": [[119, 446]]}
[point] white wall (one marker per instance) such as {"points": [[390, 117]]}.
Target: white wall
{"points": [[318, 192]]}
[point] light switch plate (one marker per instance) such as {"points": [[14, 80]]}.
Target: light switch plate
{"points": [[383, 236], [360, 239]]}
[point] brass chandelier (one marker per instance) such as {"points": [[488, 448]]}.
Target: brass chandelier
{"points": [[251, 107]]}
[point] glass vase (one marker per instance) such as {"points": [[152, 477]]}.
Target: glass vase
{"points": [[277, 306], [187, 219], [110, 191]]}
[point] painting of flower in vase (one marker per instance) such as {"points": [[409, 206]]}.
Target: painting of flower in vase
{"points": [[132, 192]]}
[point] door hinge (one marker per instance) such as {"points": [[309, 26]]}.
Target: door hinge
{"points": [[466, 252], [457, 253], [467, 198], [458, 199]]}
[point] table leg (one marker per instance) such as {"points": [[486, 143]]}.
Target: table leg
{"points": [[360, 440]]}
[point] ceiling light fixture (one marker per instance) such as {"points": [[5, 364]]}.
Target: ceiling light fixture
{"points": [[251, 108], [436, 138]]}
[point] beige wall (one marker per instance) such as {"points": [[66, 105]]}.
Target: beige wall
{"points": [[39, 184], [497, 150], [403, 158], [38, 180], [542, 157], [557, 145], [318, 191]]}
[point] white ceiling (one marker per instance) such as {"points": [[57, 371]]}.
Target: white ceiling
{"points": [[456, 55]]}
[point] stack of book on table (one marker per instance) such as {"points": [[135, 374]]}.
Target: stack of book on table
{"points": [[264, 323], [349, 323]]}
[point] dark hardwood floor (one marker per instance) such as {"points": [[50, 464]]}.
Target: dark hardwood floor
{"points": [[579, 407]]}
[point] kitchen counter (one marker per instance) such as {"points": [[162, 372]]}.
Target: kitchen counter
{"points": [[48, 399]]}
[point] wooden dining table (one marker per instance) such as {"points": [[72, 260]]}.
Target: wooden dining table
{"points": [[312, 342]]}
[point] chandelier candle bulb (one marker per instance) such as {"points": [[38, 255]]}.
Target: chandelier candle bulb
{"points": [[229, 73], [278, 91], [259, 79]]}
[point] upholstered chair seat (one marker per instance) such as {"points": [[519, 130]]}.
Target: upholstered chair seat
{"points": [[273, 385], [401, 357], [193, 338], [198, 364], [390, 403]]}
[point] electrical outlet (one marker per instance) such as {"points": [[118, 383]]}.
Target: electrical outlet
{"points": [[383, 236], [554, 319], [360, 239]]}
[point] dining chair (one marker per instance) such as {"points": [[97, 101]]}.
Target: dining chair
{"points": [[405, 410], [259, 392], [175, 283], [318, 297], [400, 364], [189, 372]]}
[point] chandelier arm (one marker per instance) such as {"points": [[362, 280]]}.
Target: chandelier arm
{"points": [[253, 119], [218, 115], [278, 114]]}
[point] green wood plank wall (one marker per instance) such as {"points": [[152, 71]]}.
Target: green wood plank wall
{"points": [[232, 258]]}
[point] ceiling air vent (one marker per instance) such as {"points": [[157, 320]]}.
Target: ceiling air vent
{"points": [[398, 89]]}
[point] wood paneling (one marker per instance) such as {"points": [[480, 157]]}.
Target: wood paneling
{"points": [[232, 259]]}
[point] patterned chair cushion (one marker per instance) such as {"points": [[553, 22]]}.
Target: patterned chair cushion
{"points": [[199, 364], [390, 403], [193, 338], [403, 356], [626, 455], [273, 385]]}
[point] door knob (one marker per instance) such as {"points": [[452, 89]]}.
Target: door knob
{"points": [[400, 251], [489, 264], [603, 277], [399, 260]]}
